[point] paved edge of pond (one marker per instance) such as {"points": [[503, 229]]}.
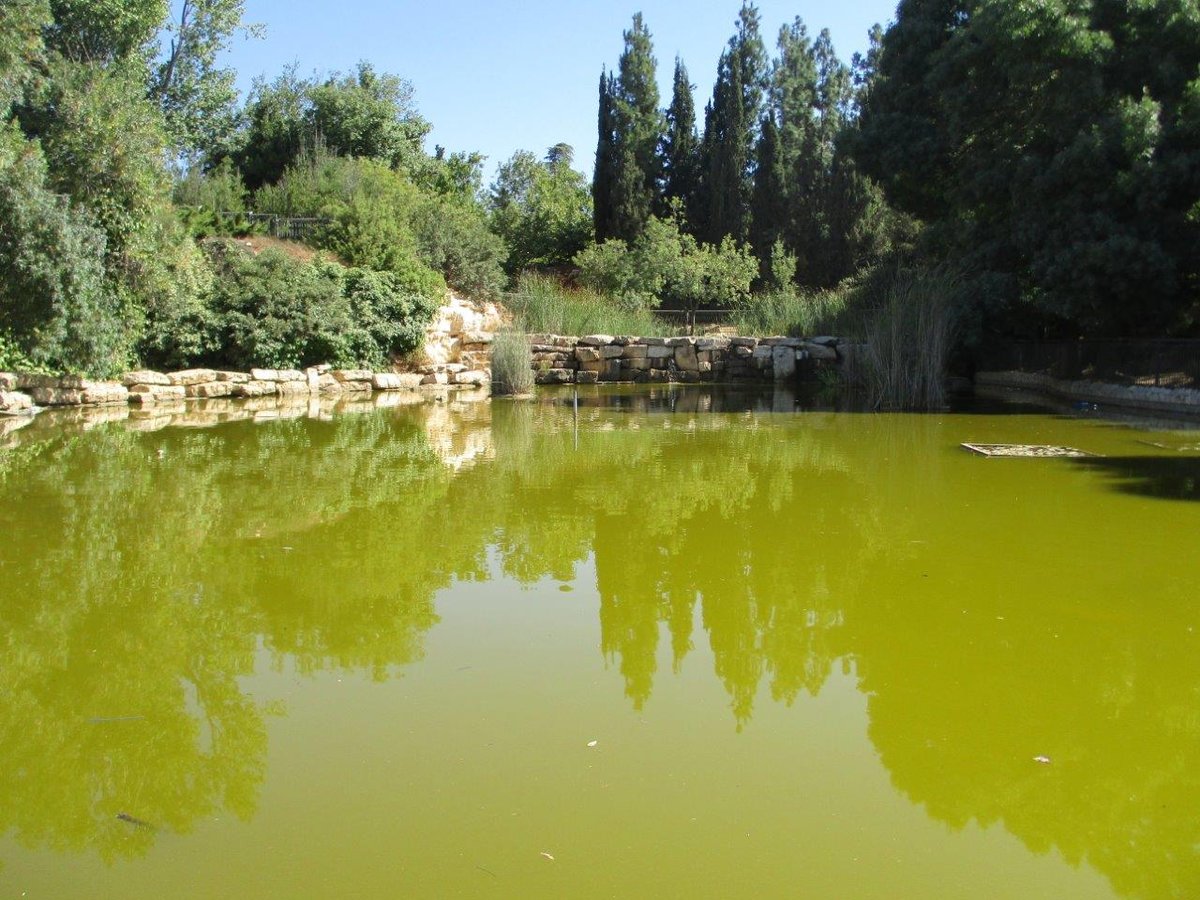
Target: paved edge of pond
{"points": [[1175, 401]]}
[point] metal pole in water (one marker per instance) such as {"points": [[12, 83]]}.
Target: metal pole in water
{"points": [[575, 416]]}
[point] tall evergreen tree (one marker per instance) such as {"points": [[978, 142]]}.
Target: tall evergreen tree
{"points": [[634, 129], [769, 210], [603, 172], [730, 131], [681, 147], [726, 157]]}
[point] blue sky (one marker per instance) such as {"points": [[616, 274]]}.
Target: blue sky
{"points": [[501, 77]]}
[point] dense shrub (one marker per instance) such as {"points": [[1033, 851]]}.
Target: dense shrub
{"points": [[56, 305], [271, 310], [454, 238], [212, 203]]}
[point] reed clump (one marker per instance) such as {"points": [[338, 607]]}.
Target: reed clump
{"points": [[512, 364]]}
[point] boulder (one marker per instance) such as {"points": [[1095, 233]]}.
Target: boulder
{"points": [[8, 381], [587, 377], [555, 376], [613, 351], [659, 351], [55, 396], [234, 377], [291, 387], [387, 381], [103, 392], [189, 377], [264, 374], [636, 351], [15, 402], [686, 359], [256, 389], [588, 354], [823, 352], [783, 362], [352, 374], [129, 379], [596, 340], [435, 379], [210, 389], [156, 393], [477, 377]]}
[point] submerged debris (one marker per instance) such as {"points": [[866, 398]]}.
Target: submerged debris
{"points": [[1027, 451]]}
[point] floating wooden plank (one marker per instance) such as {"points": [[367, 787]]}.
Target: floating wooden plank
{"points": [[1027, 451]]}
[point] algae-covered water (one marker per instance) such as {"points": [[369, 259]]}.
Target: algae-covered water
{"points": [[656, 644]]}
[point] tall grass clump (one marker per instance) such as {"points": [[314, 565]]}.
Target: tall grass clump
{"points": [[787, 311], [543, 305], [908, 333], [512, 363]]}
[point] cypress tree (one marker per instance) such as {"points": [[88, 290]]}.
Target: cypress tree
{"points": [[769, 209], [681, 147], [637, 132], [604, 172], [731, 122], [727, 159]]}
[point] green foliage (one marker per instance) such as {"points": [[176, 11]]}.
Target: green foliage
{"points": [[680, 147], [1050, 148], [273, 311], [630, 129], [542, 304], [512, 363], [104, 31], [58, 310], [212, 203], [364, 114], [368, 114], [369, 207], [541, 209], [909, 331], [667, 265], [454, 239], [790, 311], [21, 49], [197, 97]]}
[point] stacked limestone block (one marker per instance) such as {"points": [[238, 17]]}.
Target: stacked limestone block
{"points": [[610, 358]]}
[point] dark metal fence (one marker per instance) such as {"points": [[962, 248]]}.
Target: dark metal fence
{"points": [[695, 320], [290, 228], [1159, 362]]}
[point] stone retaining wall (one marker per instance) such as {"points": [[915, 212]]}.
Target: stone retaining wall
{"points": [[23, 394], [609, 358], [1179, 401]]}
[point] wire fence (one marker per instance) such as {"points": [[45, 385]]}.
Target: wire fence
{"points": [[1157, 362]]}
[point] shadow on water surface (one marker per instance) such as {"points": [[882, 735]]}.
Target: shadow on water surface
{"points": [[1157, 477]]}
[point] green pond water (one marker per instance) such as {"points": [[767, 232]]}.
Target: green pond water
{"points": [[666, 643]]}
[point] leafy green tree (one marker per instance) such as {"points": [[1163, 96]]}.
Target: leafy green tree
{"points": [[274, 128], [667, 265], [1049, 147], [21, 48], [196, 95], [368, 114], [542, 209], [630, 129], [453, 238], [105, 31]]}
